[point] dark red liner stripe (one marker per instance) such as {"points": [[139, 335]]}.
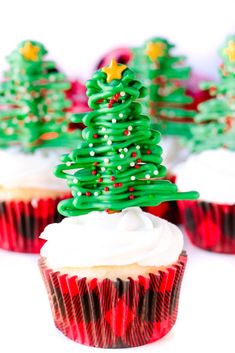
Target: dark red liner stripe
{"points": [[21, 223], [209, 226], [115, 314]]}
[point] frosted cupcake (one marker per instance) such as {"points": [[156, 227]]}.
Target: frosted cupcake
{"points": [[209, 222], [113, 272], [118, 273], [29, 194], [34, 131]]}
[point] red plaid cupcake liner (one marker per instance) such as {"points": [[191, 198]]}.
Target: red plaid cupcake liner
{"points": [[21, 223], [115, 314], [209, 226]]}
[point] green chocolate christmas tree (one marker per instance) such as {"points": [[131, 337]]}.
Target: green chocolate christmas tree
{"points": [[214, 124], [163, 74], [33, 104], [119, 163]]}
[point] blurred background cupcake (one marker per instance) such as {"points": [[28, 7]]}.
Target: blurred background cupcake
{"points": [[209, 222], [34, 130]]}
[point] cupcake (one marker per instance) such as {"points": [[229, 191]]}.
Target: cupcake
{"points": [[113, 272], [34, 131], [209, 221]]}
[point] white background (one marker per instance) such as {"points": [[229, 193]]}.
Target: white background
{"points": [[77, 34], [206, 320]]}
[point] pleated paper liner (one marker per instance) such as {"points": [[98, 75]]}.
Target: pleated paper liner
{"points": [[166, 210], [115, 314], [209, 226], [21, 223]]}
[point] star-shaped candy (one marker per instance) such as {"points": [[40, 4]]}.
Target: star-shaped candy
{"points": [[155, 50], [29, 51], [114, 70], [230, 50]]}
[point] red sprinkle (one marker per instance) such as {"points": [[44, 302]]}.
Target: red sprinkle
{"points": [[120, 185], [148, 152], [95, 163], [131, 197], [94, 172], [133, 154], [137, 166], [100, 180], [88, 193], [106, 188], [139, 160], [131, 189], [112, 178], [95, 136], [126, 132], [115, 185]]}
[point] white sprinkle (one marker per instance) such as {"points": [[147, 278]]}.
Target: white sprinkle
{"points": [[130, 128], [34, 202], [90, 144], [92, 153], [120, 115], [103, 129], [75, 181], [109, 142], [132, 177], [102, 169], [147, 176], [114, 121], [68, 164], [105, 136], [125, 149], [122, 94], [122, 156], [96, 193], [120, 150], [79, 193], [137, 147], [119, 167], [155, 172], [132, 164], [106, 160]]}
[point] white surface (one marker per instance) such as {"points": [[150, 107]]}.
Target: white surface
{"points": [[205, 322], [78, 33]]}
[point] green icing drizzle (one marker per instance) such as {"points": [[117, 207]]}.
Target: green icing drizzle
{"points": [[118, 164], [214, 124], [33, 103], [163, 74]]}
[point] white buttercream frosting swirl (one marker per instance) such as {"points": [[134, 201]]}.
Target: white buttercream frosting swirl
{"points": [[211, 173], [101, 239], [30, 170]]}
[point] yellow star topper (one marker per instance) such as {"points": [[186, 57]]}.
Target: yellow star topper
{"points": [[114, 70], [29, 51], [230, 50], [155, 50]]}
